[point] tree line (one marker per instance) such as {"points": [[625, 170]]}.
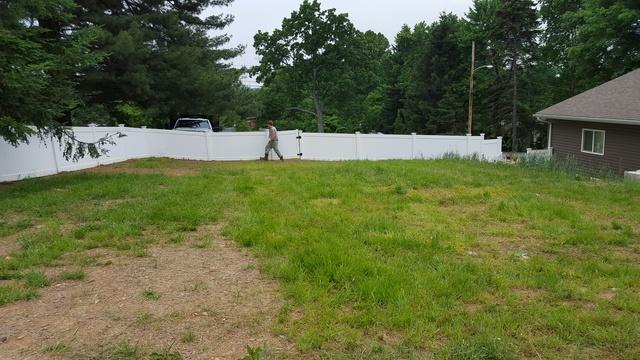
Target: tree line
{"points": [[141, 62], [134, 62], [322, 74]]}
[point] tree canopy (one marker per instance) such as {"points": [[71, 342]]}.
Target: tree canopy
{"points": [[540, 54], [73, 62]]}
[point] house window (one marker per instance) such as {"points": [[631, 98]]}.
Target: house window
{"points": [[593, 141]]}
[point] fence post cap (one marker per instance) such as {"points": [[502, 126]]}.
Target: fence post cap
{"points": [[358, 132], [120, 125], [482, 135], [414, 134], [92, 125], [469, 135], [143, 127]]}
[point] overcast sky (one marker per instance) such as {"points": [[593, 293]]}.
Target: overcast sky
{"points": [[385, 16]]}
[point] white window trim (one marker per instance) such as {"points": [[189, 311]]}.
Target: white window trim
{"points": [[593, 140]]}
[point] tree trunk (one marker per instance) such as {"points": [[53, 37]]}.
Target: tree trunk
{"points": [[317, 105], [514, 110]]}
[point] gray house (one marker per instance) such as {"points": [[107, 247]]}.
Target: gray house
{"points": [[599, 128]]}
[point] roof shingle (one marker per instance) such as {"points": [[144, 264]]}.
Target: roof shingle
{"points": [[616, 100]]}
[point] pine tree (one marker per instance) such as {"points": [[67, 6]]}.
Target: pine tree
{"points": [[515, 37], [161, 58], [41, 58]]}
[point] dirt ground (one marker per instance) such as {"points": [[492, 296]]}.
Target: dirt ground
{"points": [[212, 304]]}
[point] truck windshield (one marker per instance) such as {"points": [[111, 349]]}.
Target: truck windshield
{"points": [[193, 124]]}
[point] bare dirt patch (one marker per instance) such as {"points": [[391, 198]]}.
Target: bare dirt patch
{"points": [[8, 245], [211, 304], [325, 201], [173, 168]]}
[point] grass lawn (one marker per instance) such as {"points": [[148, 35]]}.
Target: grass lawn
{"points": [[395, 259]]}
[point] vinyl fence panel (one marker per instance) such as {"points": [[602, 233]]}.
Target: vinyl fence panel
{"points": [[41, 158]]}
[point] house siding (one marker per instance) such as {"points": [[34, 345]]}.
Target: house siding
{"points": [[621, 149]]}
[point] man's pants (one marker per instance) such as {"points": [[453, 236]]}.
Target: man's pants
{"points": [[272, 145]]}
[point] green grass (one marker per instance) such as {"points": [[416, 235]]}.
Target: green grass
{"points": [[72, 275], [188, 336], [150, 295], [120, 351], [396, 259]]}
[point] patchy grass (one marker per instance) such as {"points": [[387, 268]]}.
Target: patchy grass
{"points": [[188, 336], [121, 351], [57, 348], [72, 275], [13, 293], [396, 259]]}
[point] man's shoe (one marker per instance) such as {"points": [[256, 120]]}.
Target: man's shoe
{"points": [[281, 158], [264, 158]]}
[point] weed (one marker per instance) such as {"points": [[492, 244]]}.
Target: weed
{"points": [[13, 293], [151, 295], [72, 275], [145, 319], [140, 252], [188, 337], [198, 285], [57, 348], [177, 238], [36, 279], [120, 351], [254, 353], [165, 354]]}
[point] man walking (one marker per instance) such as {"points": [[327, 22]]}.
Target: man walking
{"points": [[273, 142]]}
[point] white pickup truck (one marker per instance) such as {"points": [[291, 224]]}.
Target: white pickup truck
{"points": [[193, 124]]}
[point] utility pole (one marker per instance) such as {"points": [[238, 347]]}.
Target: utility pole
{"points": [[473, 70], [514, 110], [473, 67]]}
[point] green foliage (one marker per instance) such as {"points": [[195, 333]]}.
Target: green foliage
{"points": [[151, 295], [540, 55], [40, 59], [36, 280], [318, 63], [72, 275], [120, 351], [254, 353], [74, 62], [162, 62], [13, 293]]}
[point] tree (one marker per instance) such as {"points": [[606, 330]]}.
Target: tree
{"points": [[437, 95], [161, 59], [515, 38], [41, 61], [607, 40], [311, 50]]}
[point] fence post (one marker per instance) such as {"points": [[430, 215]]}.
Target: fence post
{"points": [[468, 140], [206, 145], [357, 145], [482, 156], [55, 156], [299, 139], [413, 146]]}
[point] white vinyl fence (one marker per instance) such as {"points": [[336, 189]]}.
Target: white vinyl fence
{"points": [[45, 158]]}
